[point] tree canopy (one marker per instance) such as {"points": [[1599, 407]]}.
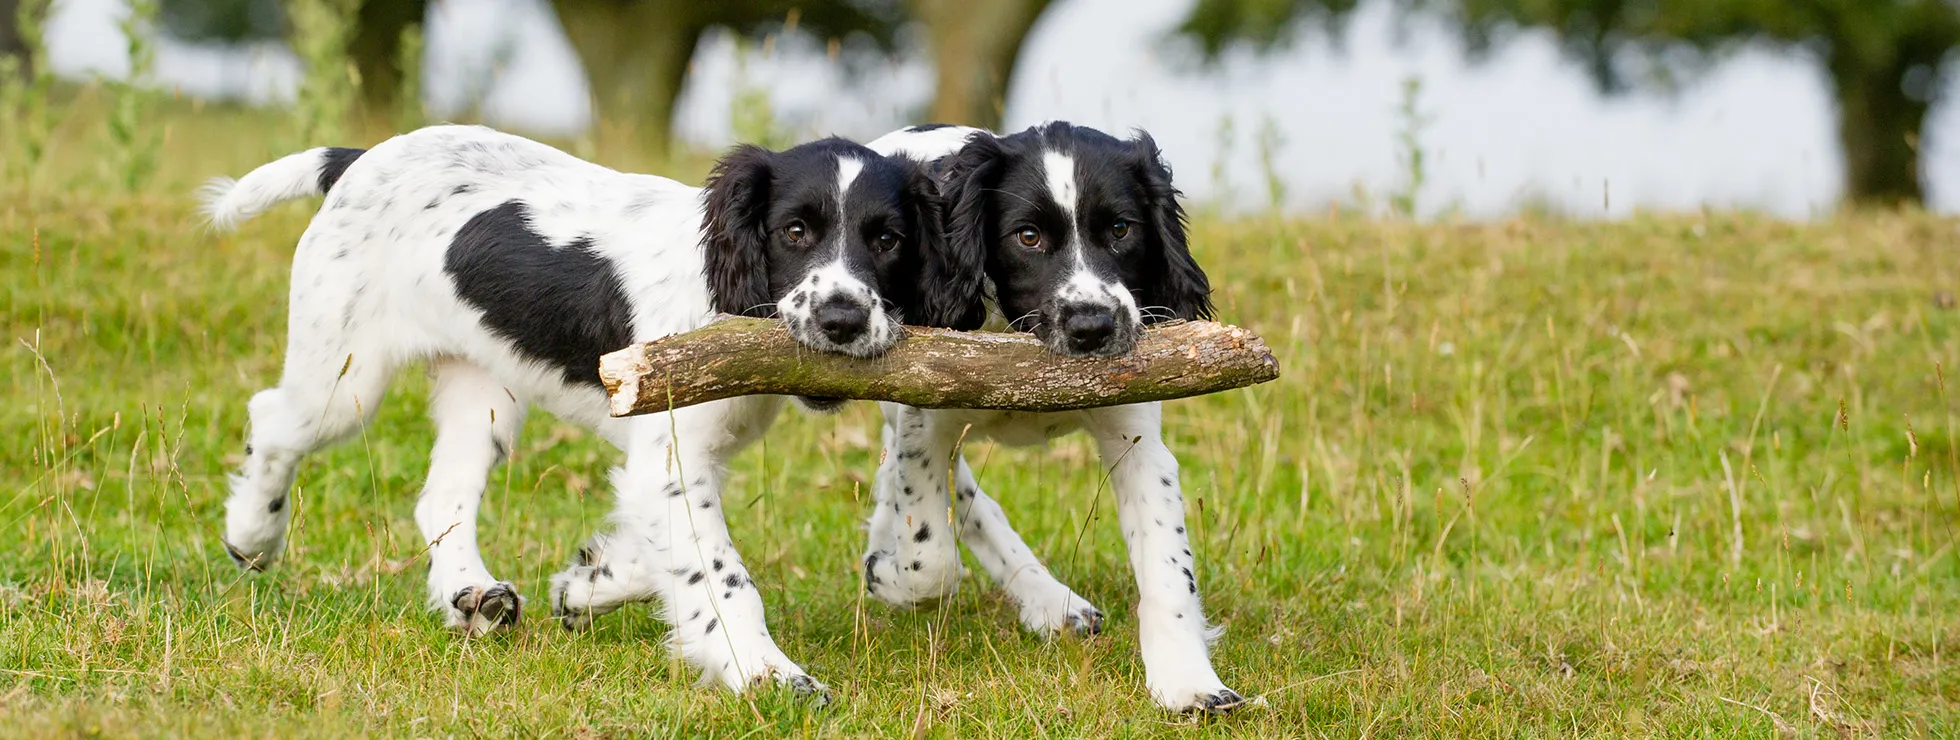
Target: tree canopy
{"points": [[1885, 58]]}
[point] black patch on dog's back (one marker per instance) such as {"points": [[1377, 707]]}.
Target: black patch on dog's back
{"points": [[335, 163], [924, 127], [562, 305]]}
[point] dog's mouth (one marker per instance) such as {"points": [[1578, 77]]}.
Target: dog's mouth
{"points": [[1088, 330], [821, 404], [839, 324]]}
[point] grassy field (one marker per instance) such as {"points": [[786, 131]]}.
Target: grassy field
{"points": [[1680, 476]]}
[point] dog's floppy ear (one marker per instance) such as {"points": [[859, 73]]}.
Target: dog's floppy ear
{"points": [[970, 178], [952, 272], [734, 236], [1176, 282]]}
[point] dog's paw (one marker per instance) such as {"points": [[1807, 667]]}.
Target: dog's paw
{"points": [[1187, 685], [1051, 608], [477, 610], [1219, 700], [1085, 621], [778, 673], [805, 687], [914, 585], [589, 589], [578, 617]]}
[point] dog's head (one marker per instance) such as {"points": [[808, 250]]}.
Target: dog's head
{"points": [[1083, 234], [840, 242]]}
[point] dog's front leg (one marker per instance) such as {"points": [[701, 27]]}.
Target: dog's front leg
{"points": [[1150, 507], [671, 541]]}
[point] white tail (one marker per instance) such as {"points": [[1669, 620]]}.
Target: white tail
{"points": [[228, 202]]}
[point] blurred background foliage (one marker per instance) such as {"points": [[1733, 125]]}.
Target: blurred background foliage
{"points": [[1885, 60]]}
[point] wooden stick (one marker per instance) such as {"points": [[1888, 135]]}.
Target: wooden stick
{"points": [[932, 368]]}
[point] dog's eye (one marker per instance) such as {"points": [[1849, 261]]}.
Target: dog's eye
{"points": [[1119, 229], [794, 232], [1029, 237], [886, 241]]}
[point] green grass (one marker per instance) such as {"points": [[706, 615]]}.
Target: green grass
{"points": [[1496, 493]]}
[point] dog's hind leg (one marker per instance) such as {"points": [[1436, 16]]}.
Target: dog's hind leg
{"points": [[338, 366], [901, 568], [1046, 605], [913, 556], [325, 397], [477, 422]]}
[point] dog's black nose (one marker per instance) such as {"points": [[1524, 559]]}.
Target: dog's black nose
{"points": [[843, 321], [1088, 331]]}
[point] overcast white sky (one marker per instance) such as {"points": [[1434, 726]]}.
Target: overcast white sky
{"points": [[1524, 125]]}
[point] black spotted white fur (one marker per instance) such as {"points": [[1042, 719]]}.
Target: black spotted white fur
{"points": [[508, 267], [1084, 244]]}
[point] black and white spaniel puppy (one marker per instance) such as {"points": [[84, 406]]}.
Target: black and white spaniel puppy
{"points": [[1084, 244], [509, 267]]}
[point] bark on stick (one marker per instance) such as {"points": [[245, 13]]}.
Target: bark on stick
{"points": [[932, 368]]}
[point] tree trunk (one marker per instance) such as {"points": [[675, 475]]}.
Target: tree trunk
{"points": [[974, 46], [636, 55], [932, 368], [1878, 126], [377, 49], [11, 44]]}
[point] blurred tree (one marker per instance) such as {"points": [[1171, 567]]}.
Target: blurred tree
{"points": [[375, 48], [223, 21], [974, 46], [636, 53], [1886, 59], [11, 44]]}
